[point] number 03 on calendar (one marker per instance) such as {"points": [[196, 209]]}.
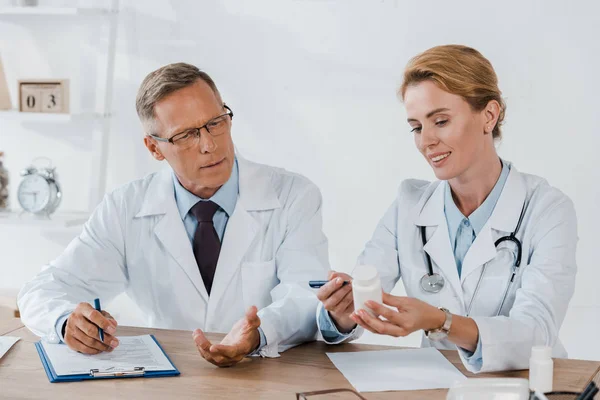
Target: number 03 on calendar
{"points": [[44, 96]]}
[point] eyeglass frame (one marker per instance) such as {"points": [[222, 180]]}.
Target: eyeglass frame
{"points": [[205, 126], [304, 395]]}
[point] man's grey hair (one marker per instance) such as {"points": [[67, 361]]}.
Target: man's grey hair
{"points": [[160, 83]]}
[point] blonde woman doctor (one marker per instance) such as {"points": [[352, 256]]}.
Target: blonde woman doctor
{"points": [[486, 253]]}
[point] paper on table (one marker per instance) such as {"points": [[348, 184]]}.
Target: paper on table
{"points": [[6, 342], [133, 351], [406, 369]]}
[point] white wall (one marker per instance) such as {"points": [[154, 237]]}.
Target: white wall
{"points": [[312, 84]]}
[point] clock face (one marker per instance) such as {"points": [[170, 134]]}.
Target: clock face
{"points": [[34, 193]]}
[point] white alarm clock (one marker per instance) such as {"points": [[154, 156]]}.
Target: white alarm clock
{"points": [[39, 192]]}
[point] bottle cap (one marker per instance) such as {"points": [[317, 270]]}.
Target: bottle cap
{"points": [[365, 275], [541, 352]]}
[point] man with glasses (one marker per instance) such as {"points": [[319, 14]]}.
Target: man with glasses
{"points": [[215, 243]]}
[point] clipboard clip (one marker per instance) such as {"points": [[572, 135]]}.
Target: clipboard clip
{"points": [[137, 371]]}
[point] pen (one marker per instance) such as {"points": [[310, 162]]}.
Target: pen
{"points": [[592, 393], [318, 284], [97, 307], [589, 389]]}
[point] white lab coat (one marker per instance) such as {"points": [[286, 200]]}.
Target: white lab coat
{"points": [[135, 241], [538, 298]]}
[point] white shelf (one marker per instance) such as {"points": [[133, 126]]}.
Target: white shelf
{"points": [[14, 115], [35, 10], [57, 220], [101, 120]]}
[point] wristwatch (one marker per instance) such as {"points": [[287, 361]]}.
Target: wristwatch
{"points": [[441, 333]]}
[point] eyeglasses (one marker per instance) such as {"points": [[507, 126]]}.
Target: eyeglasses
{"points": [[215, 127], [321, 393]]}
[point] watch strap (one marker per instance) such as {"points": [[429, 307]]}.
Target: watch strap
{"points": [[445, 328], [448, 322]]}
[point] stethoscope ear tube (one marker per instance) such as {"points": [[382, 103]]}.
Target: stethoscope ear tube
{"points": [[430, 282], [427, 258]]}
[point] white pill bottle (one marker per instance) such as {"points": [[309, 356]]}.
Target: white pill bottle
{"points": [[366, 285], [541, 369]]}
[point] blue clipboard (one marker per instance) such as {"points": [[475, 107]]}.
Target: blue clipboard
{"points": [[94, 374]]}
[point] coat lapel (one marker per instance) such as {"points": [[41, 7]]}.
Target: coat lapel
{"points": [[503, 221], [256, 193], [160, 200], [481, 251], [240, 233], [508, 209], [431, 215]]}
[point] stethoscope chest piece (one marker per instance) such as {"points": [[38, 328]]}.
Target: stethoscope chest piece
{"points": [[432, 283]]}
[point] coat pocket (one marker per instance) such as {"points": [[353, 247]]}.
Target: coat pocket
{"points": [[258, 279]]}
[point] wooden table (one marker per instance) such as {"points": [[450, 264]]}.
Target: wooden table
{"points": [[304, 368], [9, 325]]}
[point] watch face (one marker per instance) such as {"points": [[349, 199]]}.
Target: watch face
{"points": [[34, 193]]}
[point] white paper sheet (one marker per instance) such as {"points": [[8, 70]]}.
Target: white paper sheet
{"points": [[6, 342], [133, 351], [406, 369]]}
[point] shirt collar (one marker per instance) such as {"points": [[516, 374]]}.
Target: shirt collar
{"points": [[480, 216], [453, 215], [225, 197]]}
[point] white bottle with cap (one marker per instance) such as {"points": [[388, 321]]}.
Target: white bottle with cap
{"points": [[366, 285], [541, 369]]}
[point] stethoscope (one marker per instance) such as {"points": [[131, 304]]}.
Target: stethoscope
{"points": [[433, 282]]}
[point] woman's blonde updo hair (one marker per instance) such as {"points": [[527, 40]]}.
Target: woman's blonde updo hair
{"points": [[459, 70]]}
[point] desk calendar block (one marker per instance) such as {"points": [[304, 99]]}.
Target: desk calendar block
{"points": [[45, 96]]}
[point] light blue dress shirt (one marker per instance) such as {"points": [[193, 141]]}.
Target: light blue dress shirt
{"points": [[462, 232], [225, 198]]}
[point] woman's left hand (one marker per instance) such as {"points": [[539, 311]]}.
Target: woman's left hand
{"points": [[409, 315]]}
